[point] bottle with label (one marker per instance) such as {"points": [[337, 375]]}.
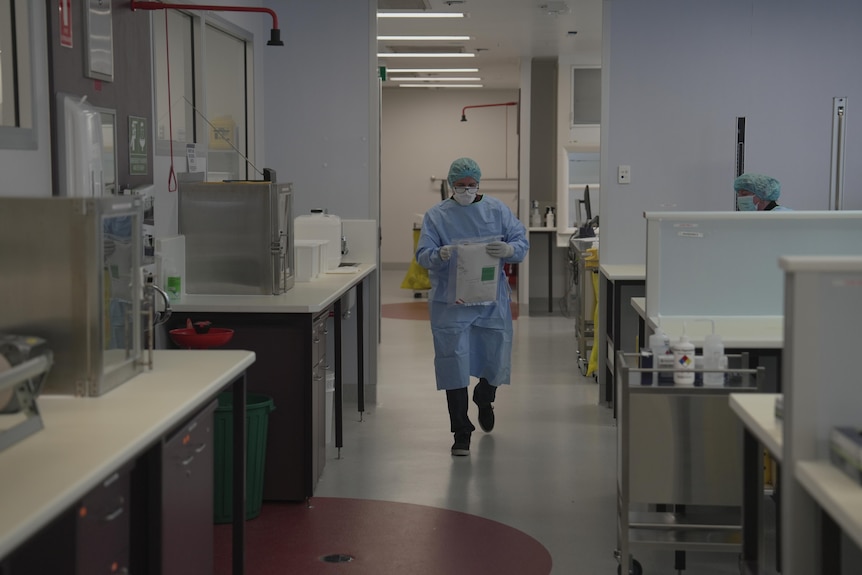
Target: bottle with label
{"points": [[662, 357], [535, 215], [683, 360], [550, 217]]}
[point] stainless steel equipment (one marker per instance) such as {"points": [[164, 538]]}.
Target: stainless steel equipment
{"points": [[239, 236], [71, 275], [679, 462], [24, 363]]}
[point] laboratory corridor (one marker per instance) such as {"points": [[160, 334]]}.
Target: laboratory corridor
{"points": [[534, 497]]}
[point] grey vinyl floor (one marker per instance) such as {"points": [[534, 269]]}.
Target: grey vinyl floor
{"points": [[548, 469]]}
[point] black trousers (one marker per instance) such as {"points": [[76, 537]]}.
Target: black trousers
{"points": [[458, 399]]}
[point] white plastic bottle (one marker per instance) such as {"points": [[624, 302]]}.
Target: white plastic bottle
{"points": [[713, 358], [683, 360], [549, 217], [659, 345], [535, 216]]}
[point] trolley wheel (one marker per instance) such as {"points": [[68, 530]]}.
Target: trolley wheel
{"points": [[635, 570], [582, 366]]}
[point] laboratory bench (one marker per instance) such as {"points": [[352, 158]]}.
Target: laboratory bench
{"points": [[110, 479], [617, 329], [289, 333], [551, 234], [762, 430]]}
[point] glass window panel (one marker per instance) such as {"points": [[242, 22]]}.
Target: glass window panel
{"points": [[180, 36], [17, 115], [586, 96], [225, 85], [118, 268]]}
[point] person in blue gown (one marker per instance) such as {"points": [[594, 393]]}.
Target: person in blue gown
{"points": [[474, 339]]}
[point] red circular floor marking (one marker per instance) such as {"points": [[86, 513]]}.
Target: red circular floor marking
{"points": [[384, 538]]}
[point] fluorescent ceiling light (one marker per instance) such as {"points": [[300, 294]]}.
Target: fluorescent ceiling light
{"points": [[440, 86], [425, 55], [420, 38], [420, 14], [429, 70], [438, 79]]}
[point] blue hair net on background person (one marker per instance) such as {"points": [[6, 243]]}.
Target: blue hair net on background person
{"points": [[464, 168], [764, 187]]}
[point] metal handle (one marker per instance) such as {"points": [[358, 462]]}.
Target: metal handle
{"points": [[117, 512], [836, 183], [162, 316]]}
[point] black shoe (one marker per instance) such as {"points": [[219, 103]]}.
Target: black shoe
{"points": [[462, 444], [486, 417]]}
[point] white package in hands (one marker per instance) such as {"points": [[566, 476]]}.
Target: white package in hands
{"points": [[475, 275]]}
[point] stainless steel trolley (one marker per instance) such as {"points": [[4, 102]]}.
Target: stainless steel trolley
{"points": [[679, 462], [584, 268]]}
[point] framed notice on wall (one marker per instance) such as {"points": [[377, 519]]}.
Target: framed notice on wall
{"points": [[99, 45], [137, 146]]}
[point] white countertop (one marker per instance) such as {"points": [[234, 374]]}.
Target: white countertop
{"points": [[839, 264], [87, 439], [624, 272], [303, 297], [835, 493], [737, 332], [757, 412]]}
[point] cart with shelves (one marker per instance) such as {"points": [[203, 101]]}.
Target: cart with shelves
{"points": [[679, 462], [585, 267]]}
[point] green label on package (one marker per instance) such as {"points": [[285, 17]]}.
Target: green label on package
{"points": [[488, 274]]}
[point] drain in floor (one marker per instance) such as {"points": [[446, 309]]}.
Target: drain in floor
{"points": [[337, 558]]}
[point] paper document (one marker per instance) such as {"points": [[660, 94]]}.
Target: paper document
{"points": [[476, 276]]}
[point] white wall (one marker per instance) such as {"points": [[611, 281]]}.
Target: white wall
{"points": [[321, 107], [28, 172], [670, 101], [422, 133]]}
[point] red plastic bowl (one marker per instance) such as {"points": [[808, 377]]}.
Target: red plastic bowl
{"points": [[187, 337]]}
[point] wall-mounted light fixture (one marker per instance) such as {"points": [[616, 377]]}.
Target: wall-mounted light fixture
{"points": [[274, 34]]}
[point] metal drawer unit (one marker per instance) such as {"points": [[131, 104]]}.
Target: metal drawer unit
{"points": [[319, 368], [103, 526], [679, 462], [187, 497]]}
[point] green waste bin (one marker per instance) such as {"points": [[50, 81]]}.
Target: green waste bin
{"points": [[258, 408]]}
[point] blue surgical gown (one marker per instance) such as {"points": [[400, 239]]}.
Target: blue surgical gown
{"points": [[469, 339]]}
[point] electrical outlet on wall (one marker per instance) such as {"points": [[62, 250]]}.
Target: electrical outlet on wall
{"points": [[624, 175]]}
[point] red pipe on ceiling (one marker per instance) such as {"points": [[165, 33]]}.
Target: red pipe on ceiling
{"points": [[275, 33], [464, 117]]}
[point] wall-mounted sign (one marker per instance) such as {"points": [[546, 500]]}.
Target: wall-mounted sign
{"points": [[100, 40], [66, 23], [138, 136]]}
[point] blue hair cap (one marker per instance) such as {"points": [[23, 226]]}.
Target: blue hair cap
{"points": [[464, 168], [763, 187]]}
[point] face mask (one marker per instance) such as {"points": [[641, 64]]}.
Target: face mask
{"points": [[465, 196], [745, 204]]}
